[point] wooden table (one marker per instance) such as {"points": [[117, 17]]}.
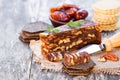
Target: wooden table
{"points": [[16, 61]]}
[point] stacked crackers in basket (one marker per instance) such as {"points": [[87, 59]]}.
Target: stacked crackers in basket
{"points": [[106, 13]]}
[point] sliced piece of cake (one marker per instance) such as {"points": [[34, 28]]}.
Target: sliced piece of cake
{"points": [[69, 38]]}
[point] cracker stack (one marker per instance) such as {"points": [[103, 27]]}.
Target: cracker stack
{"points": [[106, 13], [79, 69], [31, 31]]}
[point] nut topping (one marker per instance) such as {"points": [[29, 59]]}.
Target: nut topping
{"points": [[102, 59], [60, 42], [45, 49], [98, 28], [73, 44], [91, 35], [108, 56], [85, 60], [85, 42], [62, 48], [77, 33], [66, 40], [56, 48], [79, 41], [52, 45], [67, 48]]}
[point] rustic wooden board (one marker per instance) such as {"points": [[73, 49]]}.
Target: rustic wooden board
{"points": [[37, 74], [15, 57]]}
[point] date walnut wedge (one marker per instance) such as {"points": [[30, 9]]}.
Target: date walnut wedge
{"points": [[69, 39]]}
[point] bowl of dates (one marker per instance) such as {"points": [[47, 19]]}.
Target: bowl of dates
{"points": [[61, 15]]}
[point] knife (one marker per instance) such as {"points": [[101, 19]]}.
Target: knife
{"points": [[106, 45]]}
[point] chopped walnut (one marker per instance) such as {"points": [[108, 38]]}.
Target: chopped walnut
{"points": [[102, 59], [108, 56], [112, 57]]}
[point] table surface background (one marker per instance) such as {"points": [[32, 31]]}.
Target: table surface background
{"points": [[16, 61]]}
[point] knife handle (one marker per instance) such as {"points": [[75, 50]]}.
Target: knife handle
{"points": [[112, 42]]}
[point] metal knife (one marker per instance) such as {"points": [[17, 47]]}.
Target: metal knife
{"points": [[106, 45]]}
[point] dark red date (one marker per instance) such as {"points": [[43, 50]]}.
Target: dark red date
{"points": [[81, 14], [71, 12], [60, 16], [68, 12]]}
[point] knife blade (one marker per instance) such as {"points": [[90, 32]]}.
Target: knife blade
{"points": [[92, 48], [107, 45]]}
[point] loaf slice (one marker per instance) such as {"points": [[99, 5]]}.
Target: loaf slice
{"points": [[69, 39]]}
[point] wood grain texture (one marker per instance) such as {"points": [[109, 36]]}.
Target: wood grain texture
{"points": [[15, 57]]}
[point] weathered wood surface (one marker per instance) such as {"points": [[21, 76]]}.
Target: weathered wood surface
{"points": [[15, 57]]}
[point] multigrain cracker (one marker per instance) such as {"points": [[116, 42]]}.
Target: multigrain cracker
{"points": [[109, 7], [107, 15], [80, 69]]}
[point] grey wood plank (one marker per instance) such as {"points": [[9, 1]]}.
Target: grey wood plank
{"points": [[38, 74], [15, 57]]}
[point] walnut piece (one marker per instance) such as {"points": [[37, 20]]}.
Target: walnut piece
{"points": [[110, 56], [91, 35], [102, 59]]}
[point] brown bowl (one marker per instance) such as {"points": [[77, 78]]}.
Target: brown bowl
{"points": [[56, 23]]}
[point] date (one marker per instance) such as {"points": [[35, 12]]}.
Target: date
{"points": [[60, 16], [67, 12], [71, 12]]}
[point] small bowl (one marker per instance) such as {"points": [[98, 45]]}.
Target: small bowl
{"points": [[56, 23]]}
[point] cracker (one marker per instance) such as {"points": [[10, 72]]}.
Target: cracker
{"points": [[108, 7], [84, 66], [79, 70], [36, 27], [31, 35], [76, 73], [106, 19], [34, 35], [28, 38], [75, 70], [111, 27], [107, 12], [104, 22], [108, 27], [25, 41]]}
